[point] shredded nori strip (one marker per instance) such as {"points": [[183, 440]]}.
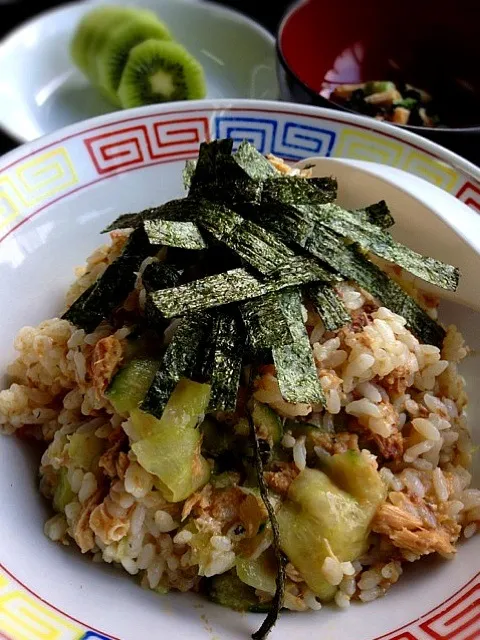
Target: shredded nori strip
{"points": [[179, 360], [265, 321], [236, 285], [174, 233], [229, 178], [381, 243], [187, 173], [297, 190], [155, 276], [254, 164], [112, 287], [179, 209], [377, 214], [329, 306], [296, 371], [328, 246], [277, 601], [160, 275], [226, 354], [261, 249]]}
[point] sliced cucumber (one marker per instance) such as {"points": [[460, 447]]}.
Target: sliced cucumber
{"points": [[63, 492], [130, 385], [169, 448], [229, 591], [267, 422]]}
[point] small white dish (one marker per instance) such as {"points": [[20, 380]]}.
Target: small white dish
{"points": [[41, 90], [56, 194]]}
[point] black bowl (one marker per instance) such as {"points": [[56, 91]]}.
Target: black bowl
{"points": [[321, 44]]}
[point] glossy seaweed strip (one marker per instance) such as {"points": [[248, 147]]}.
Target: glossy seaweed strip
{"points": [[261, 249], [296, 371], [254, 164], [160, 275], [179, 209], [329, 306], [265, 321], [179, 359], [328, 246], [183, 234], [297, 190], [236, 285], [228, 178], [226, 353], [155, 276], [187, 173], [377, 214], [112, 287], [277, 602], [379, 242]]}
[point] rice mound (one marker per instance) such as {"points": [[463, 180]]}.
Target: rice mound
{"points": [[402, 404]]}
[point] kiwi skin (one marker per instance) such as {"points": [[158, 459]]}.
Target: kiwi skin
{"points": [[160, 71], [112, 56]]}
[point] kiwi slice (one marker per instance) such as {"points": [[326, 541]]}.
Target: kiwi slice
{"points": [[160, 71], [112, 55], [93, 24]]}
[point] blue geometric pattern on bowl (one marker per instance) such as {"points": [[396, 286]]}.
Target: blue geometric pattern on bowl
{"points": [[288, 139]]}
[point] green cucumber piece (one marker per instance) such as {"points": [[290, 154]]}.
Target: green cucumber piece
{"points": [[63, 492], [169, 447], [129, 387], [266, 420], [227, 590]]}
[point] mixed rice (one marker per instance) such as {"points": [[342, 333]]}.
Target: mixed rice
{"points": [[397, 402]]}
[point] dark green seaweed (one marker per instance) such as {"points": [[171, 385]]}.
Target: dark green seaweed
{"points": [[226, 354], [180, 359], [254, 164], [261, 249], [329, 306], [236, 285], [377, 213], [296, 372], [328, 246], [379, 242], [187, 173], [180, 209], [265, 321], [174, 233], [112, 287], [277, 601], [297, 190]]}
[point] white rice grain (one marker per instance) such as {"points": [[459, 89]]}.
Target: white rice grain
{"points": [[417, 450], [164, 521], [369, 391], [359, 366], [342, 600], [300, 453], [363, 407], [426, 429], [332, 571]]}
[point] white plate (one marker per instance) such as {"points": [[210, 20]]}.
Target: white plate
{"points": [[42, 91], [56, 194]]}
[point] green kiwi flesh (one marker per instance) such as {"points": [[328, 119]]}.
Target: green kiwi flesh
{"points": [[160, 71]]}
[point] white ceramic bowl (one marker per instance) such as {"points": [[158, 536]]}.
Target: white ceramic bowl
{"points": [[42, 91], [56, 194]]}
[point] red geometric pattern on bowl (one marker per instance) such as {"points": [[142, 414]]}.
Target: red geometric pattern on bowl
{"points": [[141, 144], [461, 620], [470, 195]]}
